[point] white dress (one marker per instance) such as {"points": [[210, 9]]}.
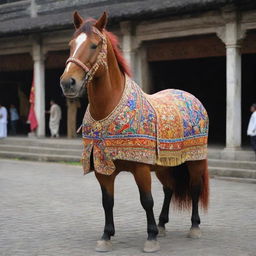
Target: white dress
{"points": [[251, 131], [3, 122], [54, 122]]}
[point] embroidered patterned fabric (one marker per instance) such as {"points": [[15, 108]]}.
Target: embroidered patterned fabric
{"points": [[166, 128]]}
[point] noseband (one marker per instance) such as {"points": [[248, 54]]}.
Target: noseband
{"points": [[101, 59]]}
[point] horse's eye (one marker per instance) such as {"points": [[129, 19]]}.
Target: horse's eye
{"points": [[94, 46]]}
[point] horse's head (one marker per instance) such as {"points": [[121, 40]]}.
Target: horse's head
{"points": [[88, 50]]}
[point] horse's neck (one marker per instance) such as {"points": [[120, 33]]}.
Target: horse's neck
{"points": [[105, 92]]}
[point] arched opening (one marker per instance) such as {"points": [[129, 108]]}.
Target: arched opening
{"points": [[196, 65], [15, 84], [248, 81]]}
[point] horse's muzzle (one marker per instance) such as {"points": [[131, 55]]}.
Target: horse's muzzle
{"points": [[68, 87]]}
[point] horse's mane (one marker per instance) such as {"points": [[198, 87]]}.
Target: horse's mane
{"points": [[86, 27], [118, 53]]}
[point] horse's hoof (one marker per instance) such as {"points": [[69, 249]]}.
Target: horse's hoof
{"points": [[151, 246], [103, 246], [161, 231], [195, 233]]}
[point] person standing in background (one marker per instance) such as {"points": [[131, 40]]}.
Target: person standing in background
{"points": [[3, 122], [55, 117], [251, 131], [14, 117]]}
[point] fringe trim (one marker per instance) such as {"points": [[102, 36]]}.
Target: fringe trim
{"points": [[177, 158]]}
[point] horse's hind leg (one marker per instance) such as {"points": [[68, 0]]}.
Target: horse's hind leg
{"points": [[196, 171], [143, 179], [107, 188], [164, 176]]}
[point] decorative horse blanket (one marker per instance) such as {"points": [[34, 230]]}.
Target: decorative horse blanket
{"points": [[166, 128]]}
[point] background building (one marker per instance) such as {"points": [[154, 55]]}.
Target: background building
{"points": [[206, 47]]}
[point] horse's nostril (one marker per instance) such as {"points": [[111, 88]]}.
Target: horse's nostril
{"points": [[72, 81], [68, 84]]}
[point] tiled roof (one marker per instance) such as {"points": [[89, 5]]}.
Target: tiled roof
{"points": [[53, 15]]}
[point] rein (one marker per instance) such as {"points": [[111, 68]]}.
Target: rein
{"points": [[101, 59]]}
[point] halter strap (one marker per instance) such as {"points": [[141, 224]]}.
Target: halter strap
{"points": [[79, 63]]}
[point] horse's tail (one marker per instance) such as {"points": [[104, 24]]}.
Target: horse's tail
{"points": [[182, 182], [204, 197]]}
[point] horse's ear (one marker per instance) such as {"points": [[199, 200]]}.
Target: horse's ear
{"points": [[78, 20], [102, 22]]}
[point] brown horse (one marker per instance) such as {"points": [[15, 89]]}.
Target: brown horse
{"points": [[97, 66]]}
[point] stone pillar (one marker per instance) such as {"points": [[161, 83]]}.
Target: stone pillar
{"points": [[142, 76], [39, 73], [135, 54], [233, 108], [128, 44], [72, 105], [232, 36]]}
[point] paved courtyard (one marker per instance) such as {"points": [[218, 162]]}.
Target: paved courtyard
{"points": [[50, 209]]}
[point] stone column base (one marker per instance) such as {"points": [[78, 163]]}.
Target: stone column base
{"points": [[238, 154], [230, 153]]}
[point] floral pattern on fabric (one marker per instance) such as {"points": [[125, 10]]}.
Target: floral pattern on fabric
{"points": [[166, 128]]}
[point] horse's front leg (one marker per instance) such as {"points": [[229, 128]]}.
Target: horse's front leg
{"points": [[143, 179], [107, 188]]}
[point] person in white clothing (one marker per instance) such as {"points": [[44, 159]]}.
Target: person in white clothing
{"points": [[55, 117], [251, 131], [3, 122]]}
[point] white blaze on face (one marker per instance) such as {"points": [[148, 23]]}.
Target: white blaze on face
{"points": [[78, 42]]}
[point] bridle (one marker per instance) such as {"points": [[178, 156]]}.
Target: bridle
{"points": [[101, 59]]}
